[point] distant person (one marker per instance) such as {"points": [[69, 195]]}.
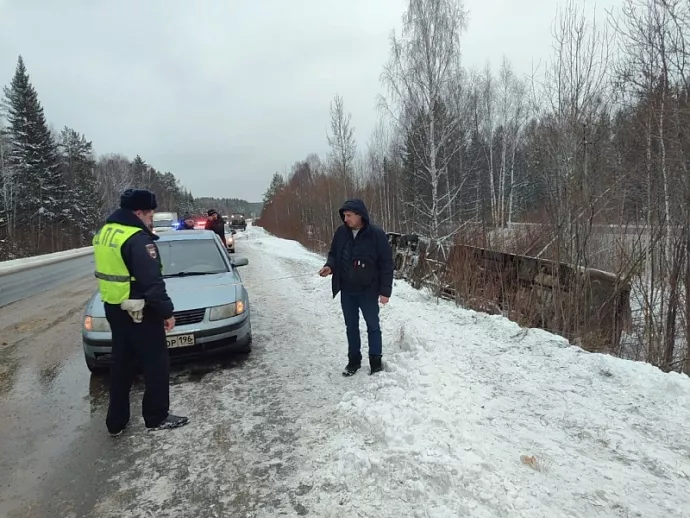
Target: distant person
{"points": [[361, 262], [187, 222], [138, 309], [215, 222]]}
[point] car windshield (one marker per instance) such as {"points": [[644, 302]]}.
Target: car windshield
{"points": [[191, 257], [162, 223]]}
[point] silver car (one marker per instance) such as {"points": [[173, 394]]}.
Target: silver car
{"points": [[211, 303]]}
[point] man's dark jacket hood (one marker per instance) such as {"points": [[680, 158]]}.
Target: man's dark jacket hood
{"points": [[143, 266], [356, 206]]}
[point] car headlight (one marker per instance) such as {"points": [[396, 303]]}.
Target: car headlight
{"points": [[96, 324], [226, 311]]}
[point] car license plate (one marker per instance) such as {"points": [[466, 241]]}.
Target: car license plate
{"points": [[180, 340]]}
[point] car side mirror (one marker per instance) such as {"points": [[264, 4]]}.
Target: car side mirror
{"points": [[240, 261]]}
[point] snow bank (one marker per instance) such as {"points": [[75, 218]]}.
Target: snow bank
{"points": [[475, 416], [16, 265]]}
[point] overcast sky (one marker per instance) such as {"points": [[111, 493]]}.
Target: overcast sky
{"points": [[223, 93]]}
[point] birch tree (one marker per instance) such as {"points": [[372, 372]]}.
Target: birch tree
{"points": [[423, 69], [384, 192], [513, 115], [572, 97], [343, 146], [486, 127], [653, 76]]}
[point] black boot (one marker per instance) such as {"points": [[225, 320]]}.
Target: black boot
{"points": [[375, 364], [352, 366], [169, 423]]}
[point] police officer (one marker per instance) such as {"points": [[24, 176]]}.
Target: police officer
{"points": [[138, 309]]}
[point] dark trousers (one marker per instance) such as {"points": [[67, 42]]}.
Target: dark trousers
{"points": [[135, 344], [368, 303]]}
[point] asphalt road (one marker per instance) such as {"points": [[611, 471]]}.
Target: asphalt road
{"points": [[56, 457], [247, 413], [18, 286]]}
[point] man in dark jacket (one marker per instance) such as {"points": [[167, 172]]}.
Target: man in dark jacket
{"points": [[187, 222], [215, 222], [138, 309], [361, 262]]}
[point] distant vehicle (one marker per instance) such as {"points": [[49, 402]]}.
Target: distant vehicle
{"points": [[199, 223], [211, 302], [164, 222], [238, 222]]}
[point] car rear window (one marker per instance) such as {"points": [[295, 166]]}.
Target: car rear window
{"points": [[193, 255], [162, 223]]}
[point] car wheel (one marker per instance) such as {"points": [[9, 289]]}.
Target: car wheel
{"points": [[247, 348], [94, 368]]}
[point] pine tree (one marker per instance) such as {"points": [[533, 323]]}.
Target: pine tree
{"points": [[277, 185], [191, 203], [139, 174], [6, 183], [33, 156], [78, 165]]}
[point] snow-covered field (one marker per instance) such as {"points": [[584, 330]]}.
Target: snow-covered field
{"points": [[473, 416]]}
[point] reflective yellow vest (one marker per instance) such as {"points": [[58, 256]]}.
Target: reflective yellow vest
{"points": [[114, 279]]}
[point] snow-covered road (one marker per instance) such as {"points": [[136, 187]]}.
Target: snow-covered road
{"points": [[448, 430]]}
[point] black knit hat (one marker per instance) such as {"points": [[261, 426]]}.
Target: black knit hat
{"points": [[138, 199], [211, 212]]}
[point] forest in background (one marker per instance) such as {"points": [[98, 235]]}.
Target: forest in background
{"points": [[581, 162], [55, 192], [227, 206]]}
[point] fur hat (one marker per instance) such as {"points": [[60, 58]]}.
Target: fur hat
{"points": [[138, 199]]}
